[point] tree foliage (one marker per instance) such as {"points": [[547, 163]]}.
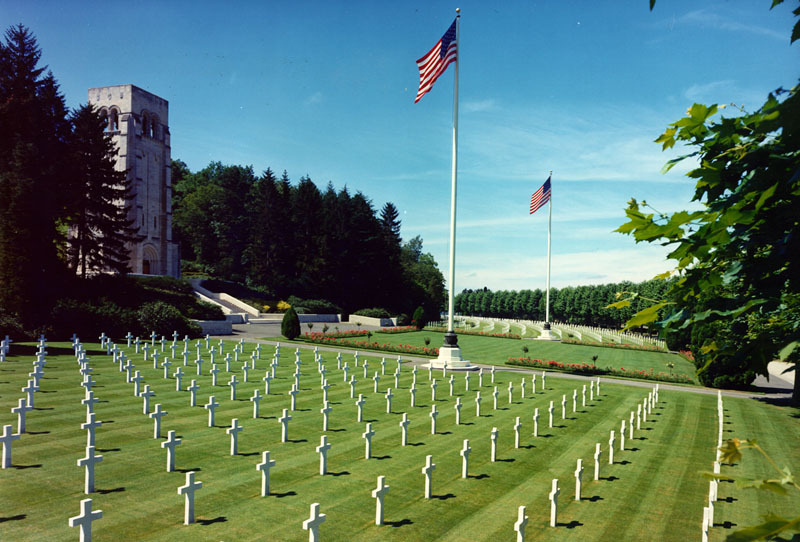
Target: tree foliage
{"points": [[290, 325]]}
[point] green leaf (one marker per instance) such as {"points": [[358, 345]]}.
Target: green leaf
{"points": [[788, 349], [765, 195], [619, 304], [645, 316], [768, 485], [772, 526], [667, 138], [731, 451], [653, 3]]}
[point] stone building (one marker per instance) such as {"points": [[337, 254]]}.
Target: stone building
{"points": [[139, 124]]}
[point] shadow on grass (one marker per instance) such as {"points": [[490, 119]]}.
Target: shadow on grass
{"points": [[416, 443], [728, 499], [38, 432], [296, 440], [443, 497], [21, 467], [18, 517], [609, 478], [400, 523], [105, 450], [282, 495], [726, 525], [107, 491], [594, 498], [343, 473], [337, 430], [195, 469], [507, 460], [249, 454], [571, 525], [219, 519], [382, 457], [478, 476]]}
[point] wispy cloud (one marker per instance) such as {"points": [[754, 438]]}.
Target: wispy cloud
{"points": [[475, 106], [315, 98], [708, 18]]}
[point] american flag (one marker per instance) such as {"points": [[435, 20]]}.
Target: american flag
{"points": [[433, 64], [541, 196]]}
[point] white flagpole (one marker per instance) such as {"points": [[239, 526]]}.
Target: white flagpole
{"points": [[452, 278], [549, 226]]}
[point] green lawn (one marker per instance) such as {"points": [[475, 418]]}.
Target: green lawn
{"points": [[496, 351], [653, 491]]}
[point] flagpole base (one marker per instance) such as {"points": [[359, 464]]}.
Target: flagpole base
{"points": [[450, 356], [546, 334]]}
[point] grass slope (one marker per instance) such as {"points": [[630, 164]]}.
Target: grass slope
{"points": [[653, 490]]}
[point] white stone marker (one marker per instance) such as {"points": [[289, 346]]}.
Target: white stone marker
{"points": [[89, 462], [7, 438], [233, 383], [211, 406], [378, 494], [622, 436], [638, 417], [313, 522], [397, 378], [433, 389], [574, 401], [550, 411], [536, 422], [84, 520], [705, 525], [179, 375], [492, 371], [325, 387], [360, 406], [389, 396], [494, 396], [510, 392], [578, 479], [325, 411], [517, 426], [533, 384], [264, 467], [245, 371], [322, 450], [427, 470], [293, 397], [413, 392], [199, 364], [22, 408], [458, 410], [591, 390], [256, 399], [434, 414], [166, 364], [452, 383], [597, 386], [480, 377], [644, 412], [366, 367], [554, 493], [611, 440], [345, 369], [519, 525], [137, 380], [375, 380], [478, 404], [91, 425], [404, 429], [564, 407], [353, 387], [284, 421], [156, 415], [544, 380], [192, 389], [466, 381], [233, 431], [367, 436], [522, 388], [129, 367], [493, 437], [145, 395], [188, 492], [89, 401], [597, 453], [267, 379], [465, 459], [170, 444], [583, 396], [630, 425]]}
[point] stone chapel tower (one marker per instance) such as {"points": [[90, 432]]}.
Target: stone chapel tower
{"points": [[139, 124]]}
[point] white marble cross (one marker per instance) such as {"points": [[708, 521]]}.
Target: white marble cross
{"points": [[465, 459], [91, 425], [397, 378], [519, 525], [494, 396], [466, 381], [170, 444], [234, 431], [458, 410], [367, 436], [434, 414], [214, 371], [322, 450], [313, 522], [366, 367], [533, 384], [192, 389], [578, 479], [452, 383], [129, 367], [188, 492], [564, 407], [638, 417], [389, 396], [89, 401], [517, 426], [583, 396], [413, 392], [554, 492], [404, 430], [145, 395], [137, 380], [591, 390], [492, 371], [427, 470], [353, 387], [360, 405], [325, 410], [345, 369], [630, 425], [265, 465], [611, 440], [255, 399], [89, 462], [227, 361], [233, 383], [84, 520], [622, 435], [284, 421], [246, 371], [325, 387], [480, 377], [166, 364], [199, 364], [597, 453], [6, 439], [155, 359], [544, 380], [378, 494], [550, 412], [510, 392], [156, 415], [478, 404], [20, 410], [267, 379], [211, 406], [522, 388], [433, 389], [375, 380], [574, 401], [178, 376], [597, 386], [493, 437], [536, 422]]}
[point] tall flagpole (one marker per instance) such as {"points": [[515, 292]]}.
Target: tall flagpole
{"points": [[549, 227]]}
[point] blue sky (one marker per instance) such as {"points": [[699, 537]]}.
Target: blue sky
{"points": [[326, 89]]}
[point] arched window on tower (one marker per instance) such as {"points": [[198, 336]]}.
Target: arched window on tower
{"points": [[113, 120], [154, 127], [145, 125], [104, 116]]}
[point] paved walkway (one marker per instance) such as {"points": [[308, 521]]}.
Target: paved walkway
{"points": [[777, 389]]}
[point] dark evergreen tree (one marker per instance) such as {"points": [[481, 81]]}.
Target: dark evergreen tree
{"points": [[290, 325], [99, 224]]}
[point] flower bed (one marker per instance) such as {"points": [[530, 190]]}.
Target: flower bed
{"points": [[316, 335], [328, 339], [461, 331], [625, 346], [399, 329], [586, 368]]}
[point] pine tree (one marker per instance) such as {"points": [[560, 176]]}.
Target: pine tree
{"points": [[100, 228]]}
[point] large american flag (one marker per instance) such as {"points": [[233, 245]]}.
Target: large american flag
{"points": [[433, 64], [541, 196]]}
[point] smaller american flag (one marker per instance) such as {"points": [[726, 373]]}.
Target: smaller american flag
{"points": [[433, 64], [541, 196]]}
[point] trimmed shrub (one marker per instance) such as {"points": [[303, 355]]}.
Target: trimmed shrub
{"points": [[89, 319], [290, 326], [164, 319], [418, 319], [313, 306], [376, 312]]}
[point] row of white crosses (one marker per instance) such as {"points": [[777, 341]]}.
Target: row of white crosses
{"points": [[713, 485]]}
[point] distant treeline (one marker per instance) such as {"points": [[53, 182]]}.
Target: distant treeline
{"points": [[580, 305], [293, 239]]}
